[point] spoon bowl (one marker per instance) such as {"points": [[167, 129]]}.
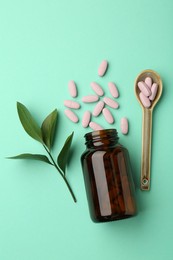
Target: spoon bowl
{"points": [[147, 125], [155, 78]]}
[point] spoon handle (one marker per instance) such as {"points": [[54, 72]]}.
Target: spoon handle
{"points": [[146, 148]]}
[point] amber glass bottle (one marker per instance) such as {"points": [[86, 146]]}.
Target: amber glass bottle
{"points": [[107, 176]]}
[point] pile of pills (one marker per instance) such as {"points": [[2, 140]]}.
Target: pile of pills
{"points": [[148, 90], [102, 106]]}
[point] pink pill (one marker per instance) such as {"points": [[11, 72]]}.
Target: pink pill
{"points": [[97, 88], [72, 88], [110, 102], [148, 81], [145, 100], [107, 115], [113, 89], [144, 88], [95, 126], [124, 125], [154, 89], [90, 98], [86, 118], [98, 108], [102, 68], [71, 115], [71, 104]]}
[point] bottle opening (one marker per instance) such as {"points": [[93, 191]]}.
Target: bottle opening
{"points": [[101, 137]]}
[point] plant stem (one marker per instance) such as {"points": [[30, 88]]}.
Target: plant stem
{"points": [[61, 173]]}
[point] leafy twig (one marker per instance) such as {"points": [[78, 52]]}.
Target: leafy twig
{"points": [[45, 135]]}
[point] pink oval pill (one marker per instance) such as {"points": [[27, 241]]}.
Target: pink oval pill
{"points": [[90, 98], [71, 104], [154, 89], [97, 88], [107, 115], [86, 118], [124, 125], [110, 102], [98, 108], [113, 89], [102, 68], [95, 126], [148, 81], [144, 88], [71, 115], [72, 88], [145, 100]]}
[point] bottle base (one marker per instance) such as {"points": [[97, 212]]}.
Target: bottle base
{"points": [[111, 218]]}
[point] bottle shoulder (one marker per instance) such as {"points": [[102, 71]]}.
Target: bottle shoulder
{"points": [[104, 149]]}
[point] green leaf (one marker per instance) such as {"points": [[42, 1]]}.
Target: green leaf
{"points": [[48, 128], [38, 157], [63, 155], [28, 123]]}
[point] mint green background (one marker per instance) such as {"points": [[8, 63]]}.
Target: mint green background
{"points": [[44, 44]]}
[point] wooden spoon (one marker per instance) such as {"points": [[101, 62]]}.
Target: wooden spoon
{"points": [[147, 126]]}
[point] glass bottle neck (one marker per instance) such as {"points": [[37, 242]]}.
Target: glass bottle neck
{"points": [[101, 138]]}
